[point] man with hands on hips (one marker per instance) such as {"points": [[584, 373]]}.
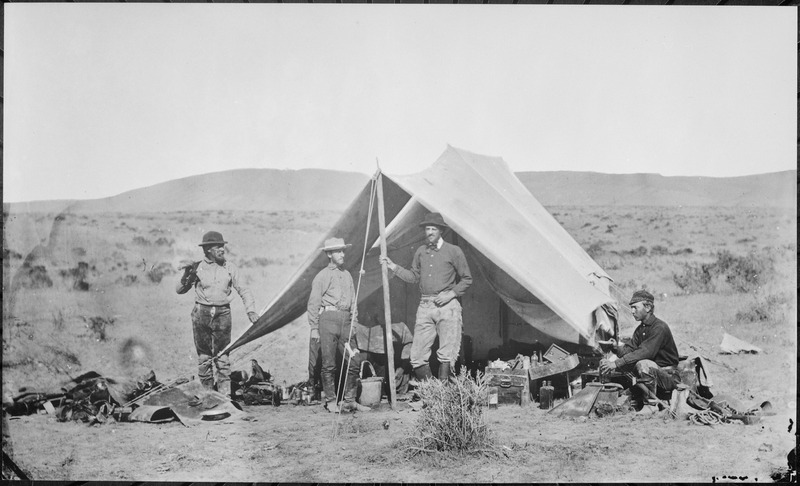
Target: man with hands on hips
{"points": [[443, 275]]}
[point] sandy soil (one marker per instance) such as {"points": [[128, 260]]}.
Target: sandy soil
{"points": [[307, 444]]}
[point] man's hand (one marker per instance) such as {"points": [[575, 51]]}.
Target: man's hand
{"points": [[392, 265], [352, 352], [252, 316], [444, 297], [315, 335], [606, 366]]}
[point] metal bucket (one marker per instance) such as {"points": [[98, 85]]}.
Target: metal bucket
{"points": [[609, 394], [371, 388]]}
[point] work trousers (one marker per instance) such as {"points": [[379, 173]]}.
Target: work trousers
{"points": [[444, 321], [656, 378], [334, 328], [314, 364], [212, 332]]}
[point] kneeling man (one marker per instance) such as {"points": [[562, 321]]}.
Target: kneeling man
{"points": [[651, 355]]}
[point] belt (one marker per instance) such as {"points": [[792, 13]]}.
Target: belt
{"points": [[331, 308], [428, 297], [212, 305]]}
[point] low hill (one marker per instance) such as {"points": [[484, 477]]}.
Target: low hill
{"points": [[314, 189], [777, 189]]}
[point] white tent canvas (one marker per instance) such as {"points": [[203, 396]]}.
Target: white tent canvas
{"points": [[531, 280]]}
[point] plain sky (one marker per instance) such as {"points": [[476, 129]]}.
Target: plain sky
{"points": [[104, 98]]}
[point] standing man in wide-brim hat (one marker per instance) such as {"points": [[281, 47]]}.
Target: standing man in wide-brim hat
{"points": [[330, 304], [212, 279], [443, 275]]}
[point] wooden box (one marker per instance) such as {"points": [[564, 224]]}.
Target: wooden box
{"points": [[513, 386]]}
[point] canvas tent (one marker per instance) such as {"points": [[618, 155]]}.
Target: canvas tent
{"points": [[531, 279]]}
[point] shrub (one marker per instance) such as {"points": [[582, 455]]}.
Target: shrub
{"points": [[140, 240], [162, 241], [452, 418], [659, 250], [636, 252], [11, 254], [34, 277], [79, 275], [773, 307], [595, 249], [98, 325], [744, 274], [157, 272], [741, 274], [127, 280], [695, 279]]}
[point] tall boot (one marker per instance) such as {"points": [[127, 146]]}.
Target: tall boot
{"points": [[329, 390], [351, 389], [444, 371], [423, 372]]}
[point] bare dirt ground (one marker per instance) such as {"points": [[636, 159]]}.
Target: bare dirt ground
{"points": [[297, 444], [46, 338]]}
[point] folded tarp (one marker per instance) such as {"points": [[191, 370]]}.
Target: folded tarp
{"points": [[732, 345], [193, 404]]}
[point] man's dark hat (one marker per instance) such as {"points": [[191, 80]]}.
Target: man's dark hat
{"points": [[641, 296], [434, 219], [212, 238]]}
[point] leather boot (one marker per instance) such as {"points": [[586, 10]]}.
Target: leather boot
{"points": [[351, 389], [444, 372], [423, 372], [329, 388]]}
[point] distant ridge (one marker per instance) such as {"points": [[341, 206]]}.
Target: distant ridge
{"points": [[316, 189], [776, 189]]}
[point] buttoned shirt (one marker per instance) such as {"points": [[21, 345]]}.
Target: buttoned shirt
{"points": [[436, 269], [652, 339], [333, 286], [214, 283]]}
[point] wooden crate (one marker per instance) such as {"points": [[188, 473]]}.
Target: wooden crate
{"points": [[513, 386]]}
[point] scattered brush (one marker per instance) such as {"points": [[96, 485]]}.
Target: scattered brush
{"points": [[451, 419]]}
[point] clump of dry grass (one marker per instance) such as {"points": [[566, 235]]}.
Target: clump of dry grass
{"points": [[452, 418]]}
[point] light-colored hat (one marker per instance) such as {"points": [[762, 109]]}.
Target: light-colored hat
{"points": [[332, 244]]}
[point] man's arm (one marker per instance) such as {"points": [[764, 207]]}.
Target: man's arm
{"points": [[462, 270], [410, 276], [244, 293], [188, 278], [315, 302], [647, 349]]}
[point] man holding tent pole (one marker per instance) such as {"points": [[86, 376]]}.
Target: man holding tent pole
{"points": [[330, 304], [443, 275], [212, 279], [652, 356]]}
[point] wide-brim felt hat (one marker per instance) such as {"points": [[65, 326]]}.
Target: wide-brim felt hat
{"points": [[434, 219], [213, 238], [332, 244]]}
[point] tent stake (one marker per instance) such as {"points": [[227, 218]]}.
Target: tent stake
{"points": [[387, 307]]}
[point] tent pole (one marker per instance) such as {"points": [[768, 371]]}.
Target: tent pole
{"points": [[387, 307]]}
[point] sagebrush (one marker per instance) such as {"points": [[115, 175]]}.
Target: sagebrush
{"points": [[452, 417]]}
